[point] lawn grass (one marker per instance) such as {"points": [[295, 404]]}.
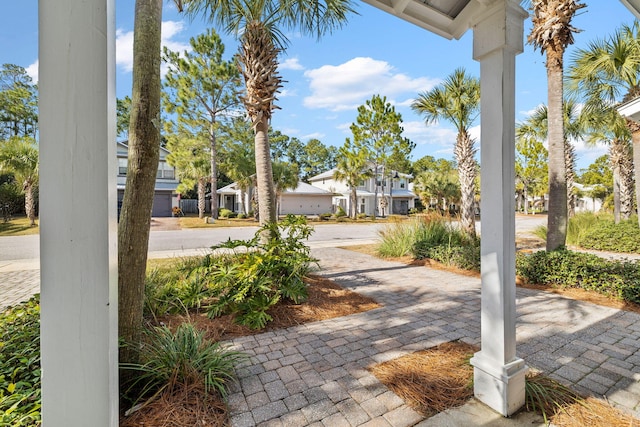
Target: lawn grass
{"points": [[18, 226], [195, 222]]}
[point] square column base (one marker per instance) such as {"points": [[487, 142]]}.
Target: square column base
{"points": [[499, 387]]}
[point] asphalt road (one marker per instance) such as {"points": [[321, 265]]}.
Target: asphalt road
{"points": [[28, 247]]}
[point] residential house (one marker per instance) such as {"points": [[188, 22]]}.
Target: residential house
{"points": [[305, 199], [165, 196], [394, 195]]}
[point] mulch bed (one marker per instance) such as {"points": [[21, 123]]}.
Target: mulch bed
{"points": [[191, 407]]}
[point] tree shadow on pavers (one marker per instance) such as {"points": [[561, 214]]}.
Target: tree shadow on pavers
{"points": [[591, 348], [368, 270]]}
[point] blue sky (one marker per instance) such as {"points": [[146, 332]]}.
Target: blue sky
{"points": [[375, 53]]}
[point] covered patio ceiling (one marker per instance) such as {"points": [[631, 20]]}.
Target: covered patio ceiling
{"points": [[448, 18]]}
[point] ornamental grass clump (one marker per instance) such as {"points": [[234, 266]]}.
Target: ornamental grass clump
{"points": [[183, 358]]}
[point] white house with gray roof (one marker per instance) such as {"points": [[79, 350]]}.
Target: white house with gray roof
{"points": [[392, 188], [305, 199]]}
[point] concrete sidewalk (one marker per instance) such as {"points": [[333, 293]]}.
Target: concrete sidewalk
{"points": [[316, 374]]}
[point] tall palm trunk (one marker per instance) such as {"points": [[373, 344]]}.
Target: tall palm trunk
{"points": [[635, 138], [258, 61], [353, 208], [29, 202], [201, 197], [557, 215], [264, 175], [570, 165], [622, 167], [464, 152], [144, 149]]}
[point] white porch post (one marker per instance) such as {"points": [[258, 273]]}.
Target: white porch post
{"points": [[498, 373], [78, 264]]}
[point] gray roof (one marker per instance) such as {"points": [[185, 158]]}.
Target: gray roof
{"points": [[324, 175], [307, 190]]}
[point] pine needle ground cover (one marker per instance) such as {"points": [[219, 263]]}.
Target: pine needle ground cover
{"points": [[440, 378]]}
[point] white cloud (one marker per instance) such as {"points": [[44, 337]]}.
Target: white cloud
{"points": [[316, 135], [434, 134], [291, 64], [348, 85], [287, 93], [32, 71], [124, 44]]}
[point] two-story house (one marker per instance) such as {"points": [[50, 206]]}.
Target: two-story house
{"points": [[165, 196], [393, 193]]}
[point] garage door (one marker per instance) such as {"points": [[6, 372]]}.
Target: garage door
{"points": [[161, 204]]}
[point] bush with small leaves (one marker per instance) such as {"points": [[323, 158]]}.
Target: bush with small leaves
{"points": [[20, 383], [568, 269]]}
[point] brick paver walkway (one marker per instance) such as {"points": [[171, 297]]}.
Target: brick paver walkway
{"points": [[316, 374], [18, 286]]}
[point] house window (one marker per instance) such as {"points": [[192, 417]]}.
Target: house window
{"points": [[165, 171], [122, 166]]}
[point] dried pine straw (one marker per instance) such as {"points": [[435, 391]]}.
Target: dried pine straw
{"points": [[593, 412], [326, 300], [182, 407], [432, 380]]}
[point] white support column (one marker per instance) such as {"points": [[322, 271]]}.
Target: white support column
{"points": [[78, 229], [498, 373]]}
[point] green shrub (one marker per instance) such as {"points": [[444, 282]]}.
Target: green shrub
{"points": [[466, 257], [606, 235], [224, 213], [567, 269], [324, 216], [340, 212], [248, 283], [175, 288], [241, 216], [361, 215], [20, 394], [181, 358]]}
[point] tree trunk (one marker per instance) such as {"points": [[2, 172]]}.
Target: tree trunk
{"points": [[526, 201], [570, 160], [557, 214], [616, 193], [635, 138], [264, 175], [464, 153], [214, 171], [29, 203], [144, 149], [353, 209], [202, 189]]}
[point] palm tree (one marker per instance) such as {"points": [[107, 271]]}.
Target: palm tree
{"points": [[607, 72], [552, 32], [259, 25], [237, 155], [605, 125], [285, 176], [19, 156], [457, 100], [573, 127], [440, 186], [352, 169]]}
